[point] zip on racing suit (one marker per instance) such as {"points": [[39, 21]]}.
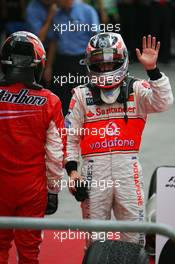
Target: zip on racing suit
{"points": [[110, 160]]}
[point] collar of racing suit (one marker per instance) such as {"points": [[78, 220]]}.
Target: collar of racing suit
{"points": [[126, 89], [20, 75]]}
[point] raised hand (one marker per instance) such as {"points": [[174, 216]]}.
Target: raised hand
{"points": [[150, 51]]}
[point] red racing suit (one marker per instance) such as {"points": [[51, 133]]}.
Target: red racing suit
{"points": [[31, 161], [109, 148]]}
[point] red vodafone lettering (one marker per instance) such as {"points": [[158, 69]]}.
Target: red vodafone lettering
{"points": [[137, 184]]}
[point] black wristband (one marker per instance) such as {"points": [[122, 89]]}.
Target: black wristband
{"points": [[154, 74], [70, 166]]}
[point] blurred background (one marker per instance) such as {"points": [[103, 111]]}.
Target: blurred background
{"points": [[136, 18], [131, 18]]}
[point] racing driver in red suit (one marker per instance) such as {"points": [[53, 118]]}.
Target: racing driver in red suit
{"points": [[31, 156], [105, 121]]}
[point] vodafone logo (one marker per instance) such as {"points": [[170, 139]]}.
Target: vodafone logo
{"points": [[112, 129]]}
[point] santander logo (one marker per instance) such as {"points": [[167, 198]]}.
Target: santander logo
{"points": [[90, 114], [111, 110]]}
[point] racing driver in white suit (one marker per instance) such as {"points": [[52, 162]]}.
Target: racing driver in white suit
{"points": [[118, 105]]}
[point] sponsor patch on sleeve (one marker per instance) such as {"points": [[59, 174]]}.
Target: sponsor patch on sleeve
{"points": [[67, 123], [72, 104], [89, 101]]}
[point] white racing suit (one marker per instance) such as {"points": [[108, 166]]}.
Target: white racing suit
{"points": [[110, 161]]}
